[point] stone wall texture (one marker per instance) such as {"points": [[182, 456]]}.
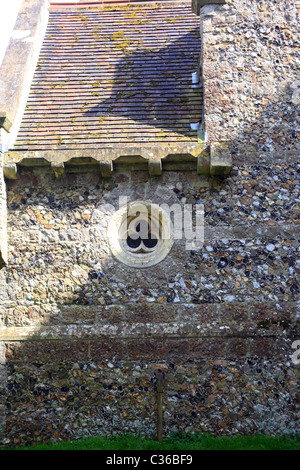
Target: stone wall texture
{"points": [[249, 66], [86, 336], [83, 338]]}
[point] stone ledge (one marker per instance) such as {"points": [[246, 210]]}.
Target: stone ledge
{"points": [[197, 4], [214, 160], [147, 348], [125, 330]]}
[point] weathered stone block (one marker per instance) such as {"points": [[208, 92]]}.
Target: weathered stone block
{"points": [[236, 348], [197, 4], [158, 349], [207, 348], [271, 347], [220, 159]]}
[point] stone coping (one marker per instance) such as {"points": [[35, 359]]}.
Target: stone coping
{"points": [[19, 63]]}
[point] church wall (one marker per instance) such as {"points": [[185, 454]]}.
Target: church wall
{"points": [[84, 338], [249, 74]]}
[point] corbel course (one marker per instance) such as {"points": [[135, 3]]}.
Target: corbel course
{"points": [[106, 168], [155, 166], [58, 168], [10, 170], [213, 160]]}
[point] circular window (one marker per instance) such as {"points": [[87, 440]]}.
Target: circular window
{"points": [[140, 234]]}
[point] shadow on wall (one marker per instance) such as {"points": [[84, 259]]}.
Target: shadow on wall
{"points": [[272, 134]]}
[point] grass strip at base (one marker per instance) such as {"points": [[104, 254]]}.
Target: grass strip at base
{"points": [[177, 441]]}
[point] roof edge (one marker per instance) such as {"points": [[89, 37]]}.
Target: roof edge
{"points": [[65, 4]]}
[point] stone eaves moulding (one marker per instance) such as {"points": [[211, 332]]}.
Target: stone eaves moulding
{"points": [[209, 160]]}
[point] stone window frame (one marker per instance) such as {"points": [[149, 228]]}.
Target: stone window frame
{"points": [[121, 226]]}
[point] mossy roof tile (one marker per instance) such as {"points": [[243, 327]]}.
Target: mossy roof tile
{"points": [[117, 73]]}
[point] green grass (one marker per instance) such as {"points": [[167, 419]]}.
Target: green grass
{"points": [[177, 441]]}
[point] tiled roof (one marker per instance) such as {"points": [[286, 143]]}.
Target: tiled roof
{"points": [[114, 74]]}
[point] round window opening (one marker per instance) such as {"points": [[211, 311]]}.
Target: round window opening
{"points": [[140, 234]]}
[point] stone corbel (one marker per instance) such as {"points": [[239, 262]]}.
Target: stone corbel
{"points": [[106, 168], [58, 168], [197, 4], [203, 164], [220, 159], [5, 122], [155, 167], [10, 171]]}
